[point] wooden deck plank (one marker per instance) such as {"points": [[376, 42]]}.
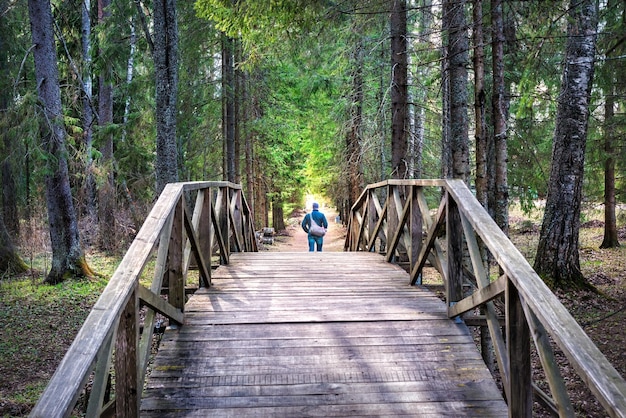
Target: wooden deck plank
{"points": [[424, 410], [322, 334]]}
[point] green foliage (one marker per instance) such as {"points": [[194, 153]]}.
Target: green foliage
{"points": [[199, 119], [532, 63], [306, 106], [261, 24]]}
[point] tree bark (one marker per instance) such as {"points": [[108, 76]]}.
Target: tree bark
{"points": [[457, 45], [278, 216], [88, 110], [166, 68], [106, 193], [557, 260], [353, 134], [399, 89], [67, 254], [261, 213], [480, 106], [482, 174], [9, 187], [446, 151], [10, 261], [130, 68], [9, 192], [500, 112], [419, 95], [237, 111], [610, 239], [228, 109], [247, 112]]}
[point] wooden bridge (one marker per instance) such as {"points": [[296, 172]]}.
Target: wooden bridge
{"points": [[323, 334]]}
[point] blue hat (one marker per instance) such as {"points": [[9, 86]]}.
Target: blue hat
{"points": [[315, 206]]}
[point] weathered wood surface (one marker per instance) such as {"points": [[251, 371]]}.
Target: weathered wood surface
{"points": [[317, 334]]}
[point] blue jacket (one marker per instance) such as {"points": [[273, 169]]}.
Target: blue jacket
{"points": [[317, 216]]}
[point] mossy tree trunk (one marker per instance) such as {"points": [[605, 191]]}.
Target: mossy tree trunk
{"points": [[10, 261], [68, 259], [166, 69]]}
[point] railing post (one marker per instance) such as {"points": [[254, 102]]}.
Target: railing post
{"points": [[392, 220], [176, 284], [127, 391], [416, 226], [238, 218], [354, 229], [372, 219], [222, 207], [204, 229], [454, 234], [518, 339]]}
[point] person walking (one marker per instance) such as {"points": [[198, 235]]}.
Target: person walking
{"points": [[315, 225]]}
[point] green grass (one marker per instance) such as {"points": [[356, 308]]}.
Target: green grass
{"points": [[38, 322]]}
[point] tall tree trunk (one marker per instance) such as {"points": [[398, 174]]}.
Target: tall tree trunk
{"points": [[425, 22], [382, 129], [67, 254], [278, 216], [261, 214], [353, 134], [8, 199], [228, 106], [446, 151], [455, 26], [88, 110], [10, 261], [480, 106], [130, 69], [610, 221], [500, 112], [248, 138], [557, 260], [106, 192], [237, 111], [253, 174], [9, 192], [486, 343], [166, 68], [399, 89]]}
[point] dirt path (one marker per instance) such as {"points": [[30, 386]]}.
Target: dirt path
{"points": [[295, 239]]}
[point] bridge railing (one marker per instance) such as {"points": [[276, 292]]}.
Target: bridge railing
{"points": [[110, 339], [393, 218]]}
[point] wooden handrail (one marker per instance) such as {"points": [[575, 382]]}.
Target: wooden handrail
{"points": [[112, 326], [402, 228]]}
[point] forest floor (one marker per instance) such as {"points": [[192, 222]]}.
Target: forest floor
{"points": [[38, 322]]}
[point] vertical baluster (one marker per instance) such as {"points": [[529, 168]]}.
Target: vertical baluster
{"points": [[415, 225], [454, 234], [204, 228], [518, 338], [371, 220], [127, 392], [176, 294]]}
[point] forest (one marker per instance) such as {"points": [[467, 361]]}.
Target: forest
{"points": [[292, 97], [104, 103]]}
